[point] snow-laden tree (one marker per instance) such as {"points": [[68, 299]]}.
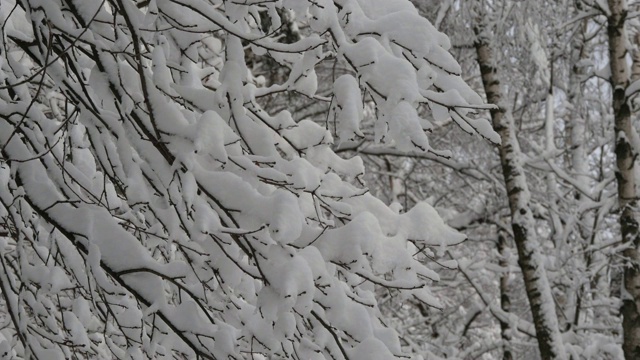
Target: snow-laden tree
{"points": [[626, 149], [560, 112], [151, 208]]}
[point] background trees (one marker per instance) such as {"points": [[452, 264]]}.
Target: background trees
{"points": [[554, 66]]}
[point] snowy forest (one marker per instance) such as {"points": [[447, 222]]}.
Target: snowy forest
{"points": [[319, 179]]}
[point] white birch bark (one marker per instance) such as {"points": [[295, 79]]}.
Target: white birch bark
{"points": [[625, 176], [529, 257]]}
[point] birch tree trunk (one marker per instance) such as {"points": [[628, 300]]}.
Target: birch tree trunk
{"points": [[525, 237], [625, 176], [505, 301]]}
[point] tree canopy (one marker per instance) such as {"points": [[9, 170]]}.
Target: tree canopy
{"points": [[152, 207]]}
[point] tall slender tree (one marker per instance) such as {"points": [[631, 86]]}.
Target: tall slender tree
{"points": [[625, 175], [529, 257]]}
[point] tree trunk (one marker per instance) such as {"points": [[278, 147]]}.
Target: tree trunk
{"points": [[625, 176], [529, 258], [505, 301]]}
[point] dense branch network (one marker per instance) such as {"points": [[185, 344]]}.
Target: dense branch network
{"points": [[152, 208]]}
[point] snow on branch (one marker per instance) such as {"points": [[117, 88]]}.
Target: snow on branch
{"points": [[152, 208]]}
